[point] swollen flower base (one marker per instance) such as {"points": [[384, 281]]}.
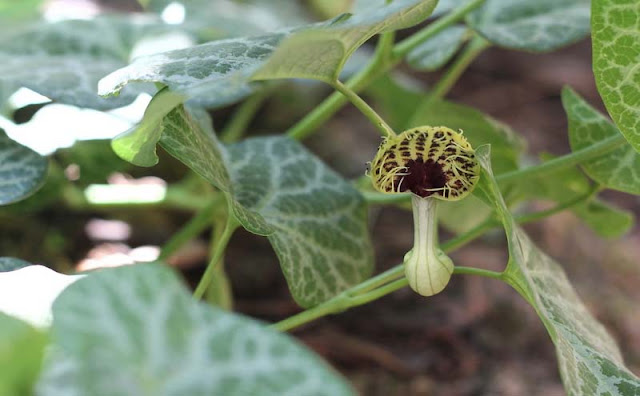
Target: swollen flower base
{"points": [[433, 163]]}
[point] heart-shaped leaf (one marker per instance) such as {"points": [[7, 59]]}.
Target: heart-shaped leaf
{"points": [[618, 169], [137, 331], [319, 220], [589, 359], [315, 220]]}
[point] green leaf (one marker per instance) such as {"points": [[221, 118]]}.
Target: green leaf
{"points": [[11, 264], [197, 147], [21, 352], [138, 145], [618, 169], [22, 170], [605, 219], [321, 53], [320, 220], [315, 220], [64, 60], [438, 50], [137, 331], [477, 127], [616, 48], [589, 359], [227, 18], [568, 185], [539, 26], [219, 72]]}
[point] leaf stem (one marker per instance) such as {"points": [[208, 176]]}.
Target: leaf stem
{"points": [[198, 223], [364, 108], [451, 76], [218, 250], [575, 158], [405, 46], [242, 117], [383, 60]]}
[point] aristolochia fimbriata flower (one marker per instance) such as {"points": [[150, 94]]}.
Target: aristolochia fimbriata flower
{"points": [[433, 163]]}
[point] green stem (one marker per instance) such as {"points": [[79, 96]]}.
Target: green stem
{"points": [[198, 223], [347, 300], [368, 112], [405, 46], [325, 110], [383, 60], [451, 76], [175, 198], [219, 291], [566, 161], [242, 117], [218, 251], [393, 278], [531, 217]]}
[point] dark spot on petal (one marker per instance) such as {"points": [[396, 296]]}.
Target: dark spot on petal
{"points": [[422, 176]]}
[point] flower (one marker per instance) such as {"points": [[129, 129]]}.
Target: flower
{"points": [[433, 163]]}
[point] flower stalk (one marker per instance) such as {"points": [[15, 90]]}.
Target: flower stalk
{"points": [[432, 163], [427, 268]]}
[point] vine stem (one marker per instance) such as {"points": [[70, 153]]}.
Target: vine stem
{"points": [[241, 118], [385, 57], [347, 300], [393, 278], [577, 157], [198, 223], [218, 250], [364, 107]]}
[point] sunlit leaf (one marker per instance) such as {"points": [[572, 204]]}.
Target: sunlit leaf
{"points": [[438, 50], [616, 48], [21, 352], [219, 72], [136, 330], [22, 170], [542, 25], [138, 145], [589, 359], [618, 169]]}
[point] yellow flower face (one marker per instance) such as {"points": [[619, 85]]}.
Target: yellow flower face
{"points": [[428, 161]]}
